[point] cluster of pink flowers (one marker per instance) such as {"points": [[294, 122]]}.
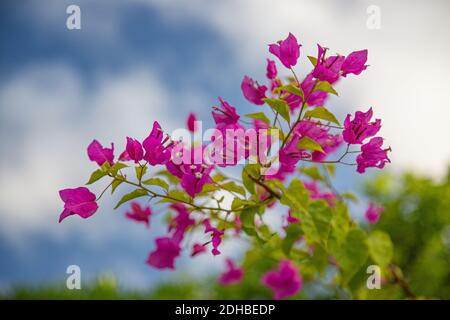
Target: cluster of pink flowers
{"points": [[311, 138]]}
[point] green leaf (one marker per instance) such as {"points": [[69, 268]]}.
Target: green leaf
{"points": [[233, 187], [307, 143], [236, 204], [157, 182], [218, 177], [96, 175], [177, 196], [380, 248], [279, 106], [293, 233], [116, 182], [316, 223], [116, 167], [169, 176], [254, 171], [312, 172], [353, 254], [248, 218], [350, 196], [258, 116], [295, 196], [207, 188], [325, 86], [322, 113], [291, 89], [132, 195], [340, 224], [313, 60], [140, 172], [248, 221], [331, 168]]}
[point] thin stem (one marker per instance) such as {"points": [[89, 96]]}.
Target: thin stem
{"points": [[295, 76], [107, 187], [300, 113], [323, 125], [265, 186], [197, 207], [329, 183], [398, 279]]}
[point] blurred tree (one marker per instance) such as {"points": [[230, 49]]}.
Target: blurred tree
{"points": [[417, 217]]}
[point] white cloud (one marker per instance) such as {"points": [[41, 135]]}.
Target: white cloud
{"points": [[48, 118]]}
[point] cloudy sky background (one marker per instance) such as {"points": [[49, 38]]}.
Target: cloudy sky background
{"points": [[138, 61]]}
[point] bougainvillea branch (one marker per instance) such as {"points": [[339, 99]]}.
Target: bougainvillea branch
{"points": [[272, 151]]}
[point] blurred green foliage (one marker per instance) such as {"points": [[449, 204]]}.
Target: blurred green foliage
{"points": [[416, 217]]}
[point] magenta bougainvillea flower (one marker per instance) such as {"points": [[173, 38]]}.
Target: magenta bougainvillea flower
{"points": [[185, 176], [291, 219], [355, 63], [190, 122], [314, 98], [360, 128], [372, 155], [316, 194], [216, 236], [321, 135], [156, 149], [285, 281], [97, 153], [232, 275], [289, 156], [373, 213], [167, 249], [271, 70], [197, 248], [181, 222], [252, 91], [287, 50], [138, 213], [195, 177], [225, 114], [78, 201], [124, 156], [327, 68], [134, 150]]}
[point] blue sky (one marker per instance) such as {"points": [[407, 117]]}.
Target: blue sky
{"points": [[140, 61]]}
